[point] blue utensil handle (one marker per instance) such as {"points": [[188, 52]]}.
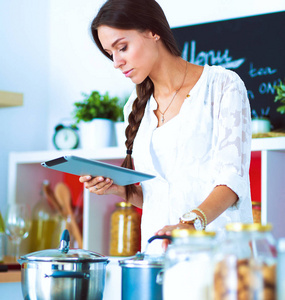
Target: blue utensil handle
{"points": [[68, 274], [65, 236], [159, 237]]}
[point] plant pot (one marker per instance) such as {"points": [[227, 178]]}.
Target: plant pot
{"points": [[98, 133], [260, 125], [120, 133]]}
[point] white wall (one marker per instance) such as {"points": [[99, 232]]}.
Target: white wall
{"points": [[24, 68], [46, 52]]}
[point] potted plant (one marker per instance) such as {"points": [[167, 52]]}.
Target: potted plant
{"points": [[280, 90], [120, 124], [96, 114]]}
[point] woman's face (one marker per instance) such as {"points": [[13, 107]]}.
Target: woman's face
{"points": [[134, 53]]}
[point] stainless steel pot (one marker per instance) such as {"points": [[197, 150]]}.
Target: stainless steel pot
{"points": [[141, 278], [63, 274]]}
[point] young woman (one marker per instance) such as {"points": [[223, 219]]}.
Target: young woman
{"points": [[189, 125]]}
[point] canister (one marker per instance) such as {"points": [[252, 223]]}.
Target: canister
{"points": [[125, 230], [188, 269], [256, 211], [246, 263]]}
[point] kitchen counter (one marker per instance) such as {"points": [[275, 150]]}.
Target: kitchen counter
{"points": [[10, 276], [10, 281], [13, 274]]}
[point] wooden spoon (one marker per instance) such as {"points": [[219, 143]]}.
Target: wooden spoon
{"points": [[51, 197], [63, 195]]}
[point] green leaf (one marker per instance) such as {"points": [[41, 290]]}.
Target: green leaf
{"points": [[96, 105]]}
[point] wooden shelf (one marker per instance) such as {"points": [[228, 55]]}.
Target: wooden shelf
{"points": [[10, 276], [8, 99], [13, 274]]}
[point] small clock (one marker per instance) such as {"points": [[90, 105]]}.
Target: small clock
{"points": [[65, 137]]}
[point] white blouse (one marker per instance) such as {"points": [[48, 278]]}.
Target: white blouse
{"points": [[207, 144]]}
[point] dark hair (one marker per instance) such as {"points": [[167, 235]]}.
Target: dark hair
{"points": [[141, 15]]}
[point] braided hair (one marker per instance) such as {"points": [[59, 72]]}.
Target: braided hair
{"points": [[140, 15]]}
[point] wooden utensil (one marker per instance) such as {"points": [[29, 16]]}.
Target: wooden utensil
{"points": [[63, 195], [51, 198]]}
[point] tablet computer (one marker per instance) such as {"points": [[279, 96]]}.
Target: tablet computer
{"points": [[82, 166]]}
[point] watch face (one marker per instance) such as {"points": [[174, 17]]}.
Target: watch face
{"points": [[66, 138], [189, 216]]}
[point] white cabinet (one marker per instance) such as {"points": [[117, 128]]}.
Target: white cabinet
{"points": [[272, 182], [26, 175]]}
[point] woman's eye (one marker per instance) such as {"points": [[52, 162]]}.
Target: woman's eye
{"points": [[123, 49]]}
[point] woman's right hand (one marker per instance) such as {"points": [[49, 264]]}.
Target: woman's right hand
{"points": [[102, 186]]}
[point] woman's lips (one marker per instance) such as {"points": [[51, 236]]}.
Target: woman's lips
{"points": [[128, 73]]}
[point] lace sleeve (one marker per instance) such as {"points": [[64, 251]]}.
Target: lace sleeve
{"points": [[232, 135]]}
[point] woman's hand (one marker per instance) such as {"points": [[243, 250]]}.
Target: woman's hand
{"points": [[102, 186], [166, 230]]}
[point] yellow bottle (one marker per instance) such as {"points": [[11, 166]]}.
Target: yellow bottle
{"points": [[46, 225], [2, 239]]}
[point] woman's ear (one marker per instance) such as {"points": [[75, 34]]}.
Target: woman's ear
{"points": [[153, 35], [156, 36]]}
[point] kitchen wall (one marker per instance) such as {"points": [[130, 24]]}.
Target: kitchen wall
{"points": [[46, 53]]}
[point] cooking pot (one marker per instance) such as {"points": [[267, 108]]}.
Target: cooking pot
{"points": [[141, 278], [63, 273]]}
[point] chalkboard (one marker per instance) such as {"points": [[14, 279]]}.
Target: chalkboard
{"points": [[253, 47]]}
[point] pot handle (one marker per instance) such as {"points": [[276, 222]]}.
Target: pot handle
{"points": [[68, 274], [159, 237]]}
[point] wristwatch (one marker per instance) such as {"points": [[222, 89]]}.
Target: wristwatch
{"points": [[192, 218]]}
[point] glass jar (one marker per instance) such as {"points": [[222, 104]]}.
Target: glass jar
{"points": [[189, 265], [125, 230], [246, 263], [281, 269], [256, 211], [47, 225], [2, 239]]}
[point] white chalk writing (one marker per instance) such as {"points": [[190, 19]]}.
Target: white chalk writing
{"points": [[253, 72], [211, 57]]}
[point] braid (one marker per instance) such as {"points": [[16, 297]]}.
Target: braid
{"points": [[144, 91]]}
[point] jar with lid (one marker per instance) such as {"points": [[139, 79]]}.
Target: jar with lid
{"points": [[188, 268], [246, 263], [47, 224], [2, 239], [256, 211], [125, 230]]}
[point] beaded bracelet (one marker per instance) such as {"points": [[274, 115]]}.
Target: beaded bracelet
{"points": [[202, 222], [203, 214]]}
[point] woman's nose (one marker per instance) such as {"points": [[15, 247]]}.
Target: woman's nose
{"points": [[118, 61]]}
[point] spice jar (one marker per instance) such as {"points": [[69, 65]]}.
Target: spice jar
{"points": [[125, 230], [47, 225], [256, 211], [189, 265], [246, 263]]}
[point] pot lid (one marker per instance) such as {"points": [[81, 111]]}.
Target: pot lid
{"points": [[64, 254], [142, 259]]}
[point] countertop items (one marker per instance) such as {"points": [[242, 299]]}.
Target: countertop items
{"points": [[10, 270]]}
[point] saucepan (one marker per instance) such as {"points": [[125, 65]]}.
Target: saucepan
{"points": [[141, 278], [63, 273]]}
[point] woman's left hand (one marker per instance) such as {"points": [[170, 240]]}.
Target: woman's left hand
{"points": [[166, 230]]}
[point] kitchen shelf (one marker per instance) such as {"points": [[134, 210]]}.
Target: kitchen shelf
{"points": [[26, 175], [10, 99], [10, 276]]}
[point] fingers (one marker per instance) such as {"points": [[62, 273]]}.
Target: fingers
{"points": [[168, 229], [101, 187], [97, 185]]}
